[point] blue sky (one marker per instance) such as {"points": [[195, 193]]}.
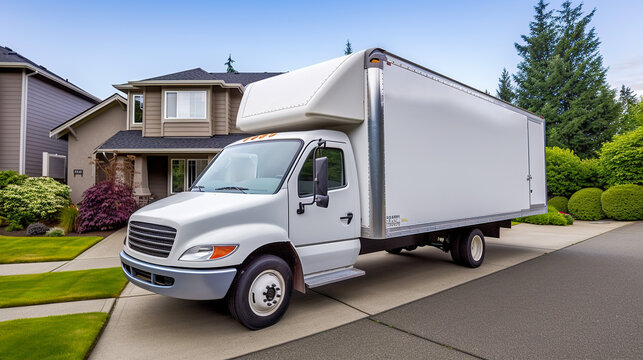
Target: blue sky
{"points": [[99, 43]]}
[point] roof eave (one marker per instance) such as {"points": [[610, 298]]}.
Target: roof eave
{"points": [[133, 84], [162, 150], [21, 65], [63, 129]]}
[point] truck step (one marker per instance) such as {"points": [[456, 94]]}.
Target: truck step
{"points": [[315, 280]]}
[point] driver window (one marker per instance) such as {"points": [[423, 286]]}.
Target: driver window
{"points": [[336, 177]]}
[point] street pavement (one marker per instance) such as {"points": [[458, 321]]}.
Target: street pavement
{"points": [[582, 302], [143, 325]]}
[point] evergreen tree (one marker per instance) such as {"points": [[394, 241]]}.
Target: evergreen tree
{"points": [[349, 48], [228, 64], [630, 110], [627, 98], [505, 89], [562, 78]]}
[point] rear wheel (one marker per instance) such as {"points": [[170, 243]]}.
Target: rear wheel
{"points": [[261, 293], [455, 248], [472, 249]]}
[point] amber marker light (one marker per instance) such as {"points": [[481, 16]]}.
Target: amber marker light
{"points": [[221, 251]]}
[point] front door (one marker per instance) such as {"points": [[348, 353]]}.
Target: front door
{"points": [[325, 238]]}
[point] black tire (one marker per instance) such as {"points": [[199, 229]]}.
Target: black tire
{"points": [[246, 307], [410, 247], [456, 239], [472, 257], [395, 251]]}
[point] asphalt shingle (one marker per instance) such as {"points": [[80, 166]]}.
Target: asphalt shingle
{"points": [[133, 139]]}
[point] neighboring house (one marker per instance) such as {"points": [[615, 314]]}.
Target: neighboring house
{"points": [[173, 125], [32, 101]]}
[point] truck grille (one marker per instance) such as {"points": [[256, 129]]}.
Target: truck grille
{"points": [[151, 239]]}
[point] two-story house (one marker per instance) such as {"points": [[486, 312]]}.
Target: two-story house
{"points": [[32, 101], [173, 125]]}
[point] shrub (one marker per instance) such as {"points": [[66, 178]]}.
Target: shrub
{"points": [[14, 227], [568, 218], [563, 171], [622, 158], [585, 204], [37, 229], [559, 202], [32, 200], [105, 206], [55, 232], [11, 177], [623, 202], [3, 221], [67, 218], [552, 217], [590, 174]]}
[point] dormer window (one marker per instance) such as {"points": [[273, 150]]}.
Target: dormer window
{"points": [[185, 104], [137, 109]]}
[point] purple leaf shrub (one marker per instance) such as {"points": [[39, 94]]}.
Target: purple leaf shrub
{"points": [[105, 206]]}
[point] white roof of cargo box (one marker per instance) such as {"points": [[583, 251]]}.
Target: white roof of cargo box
{"points": [[326, 94]]}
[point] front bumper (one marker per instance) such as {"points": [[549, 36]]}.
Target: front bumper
{"points": [[191, 284]]}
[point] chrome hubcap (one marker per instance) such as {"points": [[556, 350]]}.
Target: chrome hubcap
{"points": [[266, 293], [476, 248]]}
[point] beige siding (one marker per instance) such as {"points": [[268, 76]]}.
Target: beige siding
{"points": [[220, 101], [235, 101], [91, 134], [10, 98], [152, 111], [186, 128]]}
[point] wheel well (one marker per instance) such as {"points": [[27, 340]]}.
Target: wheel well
{"points": [[285, 251]]}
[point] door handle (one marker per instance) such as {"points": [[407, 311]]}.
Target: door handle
{"points": [[348, 217]]}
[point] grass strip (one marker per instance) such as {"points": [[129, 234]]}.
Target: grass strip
{"points": [[53, 337], [22, 290], [15, 249]]}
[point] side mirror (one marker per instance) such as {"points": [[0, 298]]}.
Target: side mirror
{"points": [[321, 182]]}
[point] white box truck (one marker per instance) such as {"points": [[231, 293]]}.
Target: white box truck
{"points": [[363, 153]]}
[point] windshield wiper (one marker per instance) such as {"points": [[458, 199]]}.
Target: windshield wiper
{"points": [[242, 189]]}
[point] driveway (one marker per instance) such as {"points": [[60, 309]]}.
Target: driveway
{"points": [[582, 302], [145, 325]]}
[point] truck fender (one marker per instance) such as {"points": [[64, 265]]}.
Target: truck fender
{"points": [[286, 251]]}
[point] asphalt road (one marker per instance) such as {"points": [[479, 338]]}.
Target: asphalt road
{"points": [[584, 301]]}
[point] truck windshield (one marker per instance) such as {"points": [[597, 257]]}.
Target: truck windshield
{"points": [[253, 168]]}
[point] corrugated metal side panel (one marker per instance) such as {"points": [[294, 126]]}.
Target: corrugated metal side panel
{"points": [[186, 128], [153, 111], [47, 107], [10, 97], [220, 111], [233, 103]]}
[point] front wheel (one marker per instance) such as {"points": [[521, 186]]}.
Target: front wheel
{"points": [[261, 293], [472, 249]]}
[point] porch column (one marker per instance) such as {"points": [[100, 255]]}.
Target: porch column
{"points": [[140, 183]]}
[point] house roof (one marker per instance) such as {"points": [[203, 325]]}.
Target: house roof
{"points": [[243, 78], [132, 141], [65, 127], [199, 76], [10, 58]]}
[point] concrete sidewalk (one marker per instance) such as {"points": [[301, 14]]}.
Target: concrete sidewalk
{"points": [[145, 325]]}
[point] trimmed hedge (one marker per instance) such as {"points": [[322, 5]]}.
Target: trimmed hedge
{"points": [[585, 204], [623, 202], [559, 202], [622, 158], [563, 171]]}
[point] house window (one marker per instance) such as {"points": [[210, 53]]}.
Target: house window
{"points": [[137, 109], [195, 168], [181, 177], [336, 178], [185, 104], [177, 176]]}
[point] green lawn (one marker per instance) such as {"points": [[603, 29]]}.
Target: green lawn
{"points": [[34, 249], [21, 290], [54, 337]]}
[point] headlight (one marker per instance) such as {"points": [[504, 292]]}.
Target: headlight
{"points": [[207, 252]]}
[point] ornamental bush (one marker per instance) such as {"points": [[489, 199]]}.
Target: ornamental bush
{"points": [[552, 217], [55, 232], [623, 202], [105, 206], [563, 171], [590, 174], [559, 202], [585, 204], [37, 229], [622, 158], [11, 177], [32, 200], [67, 218]]}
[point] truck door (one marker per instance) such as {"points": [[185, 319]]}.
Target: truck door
{"points": [[537, 187], [325, 238]]}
